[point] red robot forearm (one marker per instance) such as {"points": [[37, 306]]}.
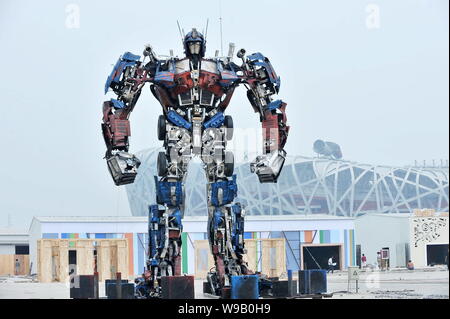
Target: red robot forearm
{"points": [[116, 128], [275, 129]]}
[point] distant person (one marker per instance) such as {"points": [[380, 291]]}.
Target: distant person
{"points": [[17, 267], [380, 266], [410, 265], [331, 264], [363, 261], [446, 259]]}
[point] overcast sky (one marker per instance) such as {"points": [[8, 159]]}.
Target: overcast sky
{"points": [[377, 84]]}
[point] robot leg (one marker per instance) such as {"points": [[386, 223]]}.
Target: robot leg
{"points": [[165, 228], [225, 231]]}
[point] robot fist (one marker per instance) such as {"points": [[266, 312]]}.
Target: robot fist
{"points": [[123, 167], [268, 167]]}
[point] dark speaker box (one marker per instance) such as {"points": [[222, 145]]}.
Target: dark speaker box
{"points": [[318, 281], [281, 288], [244, 287], [207, 288], [82, 287], [312, 281], [127, 290], [177, 287], [113, 281], [303, 282]]}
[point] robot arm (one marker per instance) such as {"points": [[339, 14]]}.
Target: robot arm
{"points": [[262, 84], [126, 80]]}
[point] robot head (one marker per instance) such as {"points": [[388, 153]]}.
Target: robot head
{"points": [[194, 44]]}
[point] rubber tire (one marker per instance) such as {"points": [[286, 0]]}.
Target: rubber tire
{"points": [[161, 128], [230, 127], [229, 164], [162, 164]]}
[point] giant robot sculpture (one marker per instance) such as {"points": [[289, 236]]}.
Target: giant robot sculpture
{"points": [[194, 93]]}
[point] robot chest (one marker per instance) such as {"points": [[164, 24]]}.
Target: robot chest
{"points": [[201, 85], [197, 80]]}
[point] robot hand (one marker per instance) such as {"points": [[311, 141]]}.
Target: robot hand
{"points": [[268, 167], [123, 167]]}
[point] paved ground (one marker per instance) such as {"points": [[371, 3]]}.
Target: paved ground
{"points": [[394, 284]]}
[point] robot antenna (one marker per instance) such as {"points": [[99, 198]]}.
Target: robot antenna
{"points": [[221, 27], [206, 32], [181, 33]]}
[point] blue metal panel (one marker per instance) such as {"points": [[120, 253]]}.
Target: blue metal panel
{"points": [[260, 60], [245, 287], [218, 219], [118, 104], [228, 77], [216, 121], [110, 77], [165, 78], [274, 105], [163, 193], [177, 219], [100, 236], [154, 216], [229, 191], [178, 120], [126, 60], [128, 56]]}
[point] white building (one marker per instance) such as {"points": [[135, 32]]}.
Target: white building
{"points": [[12, 240], [319, 235], [423, 240], [14, 251]]}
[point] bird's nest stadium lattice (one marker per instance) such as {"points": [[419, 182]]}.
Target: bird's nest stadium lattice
{"points": [[310, 186]]}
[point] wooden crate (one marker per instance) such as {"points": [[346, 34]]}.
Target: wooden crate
{"points": [[53, 258], [273, 257], [8, 265], [269, 253]]}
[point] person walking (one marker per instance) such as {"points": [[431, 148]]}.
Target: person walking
{"points": [[331, 264], [363, 261]]}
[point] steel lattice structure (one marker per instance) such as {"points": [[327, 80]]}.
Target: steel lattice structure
{"points": [[311, 186]]}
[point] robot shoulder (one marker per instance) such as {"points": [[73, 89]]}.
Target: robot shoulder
{"points": [[263, 67], [182, 65], [126, 60]]}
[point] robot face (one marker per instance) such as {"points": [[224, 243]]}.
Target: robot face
{"points": [[194, 43], [195, 47]]}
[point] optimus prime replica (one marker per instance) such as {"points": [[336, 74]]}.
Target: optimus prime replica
{"points": [[194, 93]]}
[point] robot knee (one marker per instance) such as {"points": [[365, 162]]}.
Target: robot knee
{"points": [[169, 193], [223, 192]]}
